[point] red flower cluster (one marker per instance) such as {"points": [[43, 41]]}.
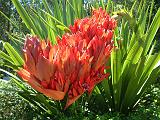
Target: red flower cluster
{"points": [[76, 64]]}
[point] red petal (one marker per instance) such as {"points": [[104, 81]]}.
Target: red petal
{"points": [[56, 95], [29, 62], [44, 69], [72, 100], [24, 74]]}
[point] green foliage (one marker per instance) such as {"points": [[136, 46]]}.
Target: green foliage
{"points": [[153, 4], [133, 64], [50, 20], [12, 106], [5, 25], [43, 106], [147, 109]]}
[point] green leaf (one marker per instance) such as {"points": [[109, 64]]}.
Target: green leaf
{"points": [[15, 40], [57, 9], [25, 17], [42, 99], [150, 64], [5, 57], [43, 23], [129, 87], [10, 65], [109, 3], [116, 67], [18, 61], [20, 85], [140, 7], [11, 21], [142, 20], [63, 28], [153, 76], [15, 79], [64, 12], [102, 4], [30, 98], [125, 33], [150, 34], [45, 3], [71, 12], [134, 54], [150, 13], [53, 18]]}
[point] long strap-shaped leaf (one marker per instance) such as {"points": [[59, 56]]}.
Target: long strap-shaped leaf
{"points": [[152, 32], [45, 3], [13, 54], [5, 57], [25, 17], [109, 3], [11, 21], [155, 73], [16, 79], [116, 67], [54, 19]]}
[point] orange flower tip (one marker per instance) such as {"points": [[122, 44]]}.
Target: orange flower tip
{"points": [[71, 101], [75, 92], [24, 74], [54, 94]]}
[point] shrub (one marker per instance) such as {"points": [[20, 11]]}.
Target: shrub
{"points": [[12, 106]]}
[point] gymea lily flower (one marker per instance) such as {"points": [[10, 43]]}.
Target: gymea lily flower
{"points": [[76, 64]]}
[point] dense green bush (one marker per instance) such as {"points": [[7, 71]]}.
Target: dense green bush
{"points": [[12, 106], [148, 109]]}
